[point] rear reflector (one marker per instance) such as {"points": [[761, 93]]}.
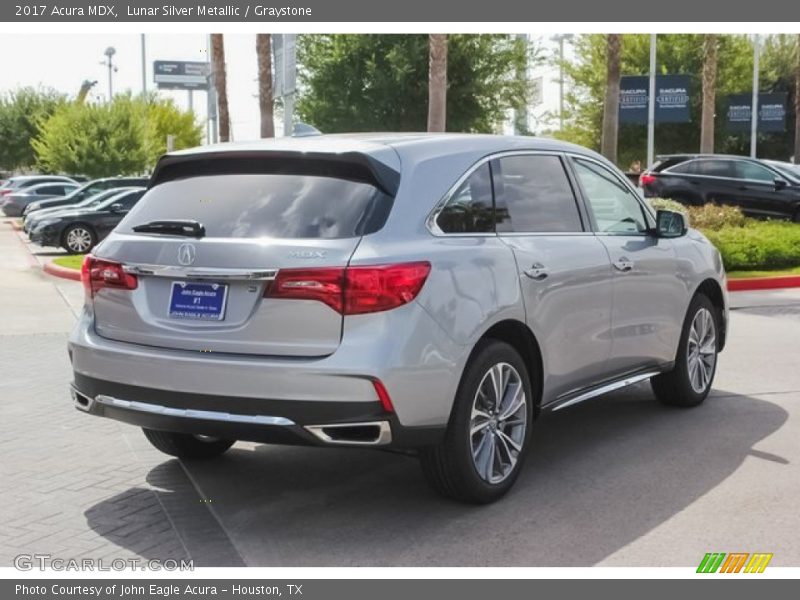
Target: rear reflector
{"points": [[353, 290], [383, 395], [97, 274]]}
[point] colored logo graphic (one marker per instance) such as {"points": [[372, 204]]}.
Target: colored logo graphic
{"points": [[736, 562]]}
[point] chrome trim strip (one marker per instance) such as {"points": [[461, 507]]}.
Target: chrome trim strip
{"points": [[176, 272], [384, 433], [207, 415], [610, 387]]}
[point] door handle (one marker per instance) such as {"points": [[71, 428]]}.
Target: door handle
{"points": [[624, 265], [537, 271]]}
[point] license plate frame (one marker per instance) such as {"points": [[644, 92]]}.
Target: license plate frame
{"points": [[197, 301]]}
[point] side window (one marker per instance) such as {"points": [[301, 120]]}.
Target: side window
{"points": [[50, 189], [716, 168], [534, 195], [130, 200], [686, 168], [615, 208], [469, 209], [748, 170]]}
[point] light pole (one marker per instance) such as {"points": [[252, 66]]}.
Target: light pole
{"points": [[651, 104], [754, 104], [109, 62], [561, 38], [144, 66]]}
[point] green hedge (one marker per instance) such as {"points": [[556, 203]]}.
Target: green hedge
{"points": [[745, 244], [758, 245]]}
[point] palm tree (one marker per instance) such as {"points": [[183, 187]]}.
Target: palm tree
{"points": [[264, 54], [437, 82], [797, 105], [709, 93], [608, 144], [221, 85]]}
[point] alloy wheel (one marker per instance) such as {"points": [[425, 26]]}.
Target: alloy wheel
{"points": [[79, 240], [498, 422], [701, 353]]}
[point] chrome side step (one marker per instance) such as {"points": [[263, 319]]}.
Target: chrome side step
{"points": [[604, 389]]}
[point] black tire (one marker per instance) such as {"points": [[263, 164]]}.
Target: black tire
{"points": [[449, 467], [675, 388], [74, 228], [186, 445]]}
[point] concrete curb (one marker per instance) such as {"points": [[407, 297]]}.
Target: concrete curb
{"points": [[63, 272], [763, 283]]}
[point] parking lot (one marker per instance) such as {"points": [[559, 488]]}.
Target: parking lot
{"points": [[618, 481]]}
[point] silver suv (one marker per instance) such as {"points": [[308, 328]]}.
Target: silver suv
{"points": [[418, 292]]}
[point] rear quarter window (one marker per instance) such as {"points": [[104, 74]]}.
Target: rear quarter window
{"points": [[279, 205]]}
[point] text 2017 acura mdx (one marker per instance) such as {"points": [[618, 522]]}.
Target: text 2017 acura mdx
{"points": [[393, 291]]}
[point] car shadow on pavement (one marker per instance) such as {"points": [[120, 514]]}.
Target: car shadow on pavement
{"points": [[600, 475]]}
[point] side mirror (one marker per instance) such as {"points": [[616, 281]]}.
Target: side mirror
{"points": [[116, 208], [670, 224], [780, 183]]}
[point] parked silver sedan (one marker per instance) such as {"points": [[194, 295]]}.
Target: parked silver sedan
{"points": [[420, 292]]}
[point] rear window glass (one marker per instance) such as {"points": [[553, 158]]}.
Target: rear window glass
{"points": [[278, 205]]}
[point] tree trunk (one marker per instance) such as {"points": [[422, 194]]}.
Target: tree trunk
{"points": [[709, 93], [437, 82], [608, 145], [221, 85], [797, 106], [264, 53]]}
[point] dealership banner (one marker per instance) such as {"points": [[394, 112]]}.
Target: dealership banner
{"points": [[771, 112], [673, 99]]}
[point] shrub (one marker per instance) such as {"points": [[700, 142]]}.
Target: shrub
{"points": [[758, 245], [709, 217], [713, 217], [664, 204]]}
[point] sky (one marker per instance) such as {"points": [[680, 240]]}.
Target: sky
{"points": [[63, 61]]}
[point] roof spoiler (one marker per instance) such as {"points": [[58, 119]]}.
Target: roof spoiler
{"points": [[355, 166]]}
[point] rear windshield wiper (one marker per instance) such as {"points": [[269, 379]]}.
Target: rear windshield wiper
{"points": [[187, 228]]}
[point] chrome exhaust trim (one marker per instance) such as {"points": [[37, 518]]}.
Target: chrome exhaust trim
{"points": [[80, 401], [337, 434]]}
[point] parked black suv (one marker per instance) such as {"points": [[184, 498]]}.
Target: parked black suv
{"points": [[760, 188]]}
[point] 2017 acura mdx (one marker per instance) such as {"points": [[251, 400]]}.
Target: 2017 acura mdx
{"points": [[406, 291]]}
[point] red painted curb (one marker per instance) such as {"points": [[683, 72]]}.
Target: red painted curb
{"points": [[62, 272], [763, 283]]}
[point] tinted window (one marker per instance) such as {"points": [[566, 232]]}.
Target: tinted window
{"points": [[748, 170], [533, 194], [687, 168], [716, 168], [266, 204], [469, 209], [615, 208], [129, 200], [50, 189]]}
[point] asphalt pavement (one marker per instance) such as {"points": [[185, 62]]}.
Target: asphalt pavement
{"points": [[616, 481]]}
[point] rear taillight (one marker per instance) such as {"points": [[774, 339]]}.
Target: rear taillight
{"points": [[646, 179], [97, 274], [353, 290], [5, 192]]}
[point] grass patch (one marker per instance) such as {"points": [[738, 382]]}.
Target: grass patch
{"points": [[70, 262]]}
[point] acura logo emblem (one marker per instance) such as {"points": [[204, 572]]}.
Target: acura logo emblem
{"points": [[186, 254]]}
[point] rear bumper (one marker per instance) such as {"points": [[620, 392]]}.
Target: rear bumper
{"points": [[418, 364], [357, 424]]}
